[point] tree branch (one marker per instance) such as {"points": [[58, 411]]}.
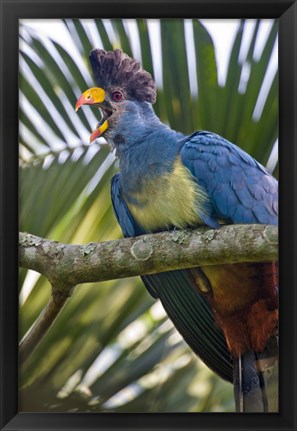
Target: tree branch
{"points": [[66, 265], [41, 325], [69, 264]]}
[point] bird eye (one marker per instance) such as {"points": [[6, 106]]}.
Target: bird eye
{"points": [[117, 96], [88, 96]]}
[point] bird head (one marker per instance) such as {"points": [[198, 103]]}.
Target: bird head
{"points": [[123, 93]]}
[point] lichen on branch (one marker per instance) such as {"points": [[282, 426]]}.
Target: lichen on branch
{"points": [[147, 254], [66, 265]]}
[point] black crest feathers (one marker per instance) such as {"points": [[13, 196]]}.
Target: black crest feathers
{"points": [[115, 68]]}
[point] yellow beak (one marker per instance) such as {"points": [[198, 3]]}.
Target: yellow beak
{"points": [[99, 131], [93, 96]]}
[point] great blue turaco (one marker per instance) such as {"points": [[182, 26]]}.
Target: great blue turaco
{"points": [[228, 314]]}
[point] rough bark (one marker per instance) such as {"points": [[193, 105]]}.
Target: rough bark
{"points": [[69, 264], [66, 265]]}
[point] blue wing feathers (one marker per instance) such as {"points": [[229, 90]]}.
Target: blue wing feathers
{"points": [[193, 318], [239, 188], [128, 225]]}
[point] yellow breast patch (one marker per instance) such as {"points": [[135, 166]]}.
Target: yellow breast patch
{"points": [[173, 199]]}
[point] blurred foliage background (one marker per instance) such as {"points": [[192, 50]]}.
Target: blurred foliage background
{"points": [[112, 348]]}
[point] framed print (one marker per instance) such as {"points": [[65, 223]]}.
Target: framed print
{"points": [[193, 103]]}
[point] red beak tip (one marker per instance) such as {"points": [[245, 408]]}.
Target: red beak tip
{"points": [[93, 137]]}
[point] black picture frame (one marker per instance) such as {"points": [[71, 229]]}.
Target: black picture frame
{"points": [[11, 12]]}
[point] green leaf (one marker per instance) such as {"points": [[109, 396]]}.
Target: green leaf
{"points": [[123, 39], [207, 79], [103, 34]]}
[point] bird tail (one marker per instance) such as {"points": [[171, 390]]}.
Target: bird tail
{"points": [[255, 377]]}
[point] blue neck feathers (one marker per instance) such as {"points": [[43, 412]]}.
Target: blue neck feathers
{"points": [[146, 150]]}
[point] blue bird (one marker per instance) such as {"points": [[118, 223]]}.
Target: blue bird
{"points": [[228, 314]]}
